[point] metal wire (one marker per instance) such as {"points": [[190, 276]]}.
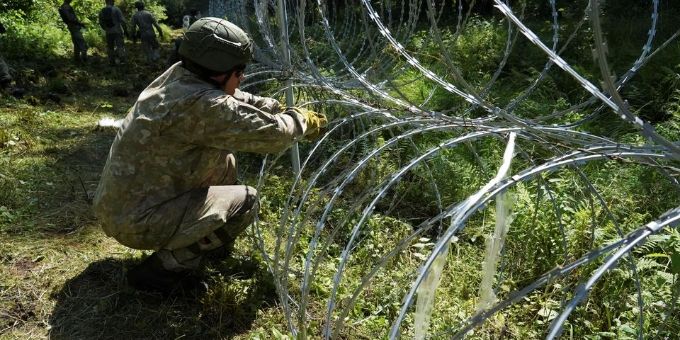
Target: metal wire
{"points": [[407, 112]]}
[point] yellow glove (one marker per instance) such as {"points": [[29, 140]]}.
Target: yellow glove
{"points": [[315, 122]]}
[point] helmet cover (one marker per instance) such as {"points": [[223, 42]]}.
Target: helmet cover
{"points": [[216, 44]]}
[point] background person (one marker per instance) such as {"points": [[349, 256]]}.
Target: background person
{"points": [[112, 21], [143, 24], [5, 77], [68, 15], [190, 18]]}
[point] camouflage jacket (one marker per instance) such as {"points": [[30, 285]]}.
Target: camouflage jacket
{"points": [[115, 17], [180, 129], [68, 15], [143, 21]]}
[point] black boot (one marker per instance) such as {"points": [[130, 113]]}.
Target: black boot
{"points": [[151, 276], [219, 254]]}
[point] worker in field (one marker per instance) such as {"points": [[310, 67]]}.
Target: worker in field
{"points": [[169, 183], [112, 21], [68, 15], [143, 24]]}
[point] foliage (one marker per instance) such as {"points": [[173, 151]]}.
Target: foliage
{"points": [[35, 29]]}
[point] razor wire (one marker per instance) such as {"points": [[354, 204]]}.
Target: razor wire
{"points": [[357, 61]]}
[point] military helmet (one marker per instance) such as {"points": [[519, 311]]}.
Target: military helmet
{"points": [[216, 44]]}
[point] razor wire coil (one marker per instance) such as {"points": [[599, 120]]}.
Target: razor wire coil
{"points": [[357, 60]]}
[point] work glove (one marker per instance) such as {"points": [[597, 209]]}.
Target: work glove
{"points": [[315, 122], [280, 107]]}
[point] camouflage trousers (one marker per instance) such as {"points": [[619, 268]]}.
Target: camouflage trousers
{"points": [[79, 44], [115, 47], [212, 218], [150, 45], [201, 220]]}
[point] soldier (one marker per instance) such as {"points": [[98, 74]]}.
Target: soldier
{"points": [[190, 18], [146, 23], [5, 77], [113, 22], [169, 183], [74, 26]]}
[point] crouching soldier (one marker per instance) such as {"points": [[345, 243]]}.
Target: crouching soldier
{"points": [[169, 183]]}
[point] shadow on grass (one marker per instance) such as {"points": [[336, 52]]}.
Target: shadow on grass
{"points": [[97, 304]]}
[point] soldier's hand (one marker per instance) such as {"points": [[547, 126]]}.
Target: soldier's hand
{"points": [[315, 122]]}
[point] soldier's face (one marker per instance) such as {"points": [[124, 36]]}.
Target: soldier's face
{"points": [[233, 83]]}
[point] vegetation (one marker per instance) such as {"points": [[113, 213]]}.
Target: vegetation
{"points": [[61, 276]]}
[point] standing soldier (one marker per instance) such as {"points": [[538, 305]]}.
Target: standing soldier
{"points": [[113, 22], [74, 26], [190, 18], [5, 77], [146, 23]]}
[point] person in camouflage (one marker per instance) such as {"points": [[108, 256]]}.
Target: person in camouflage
{"points": [[68, 15], [112, 21], [169, 183], [143, 24], [5, 77], [190, 18]]}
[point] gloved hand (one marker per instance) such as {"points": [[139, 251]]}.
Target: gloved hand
{"points": [[315, 122]]}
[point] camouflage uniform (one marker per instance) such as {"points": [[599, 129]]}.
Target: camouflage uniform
{"points": [[169, 181], [74, 26], [189, 19], [146, 23], [5, 77], [114, 35]]}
